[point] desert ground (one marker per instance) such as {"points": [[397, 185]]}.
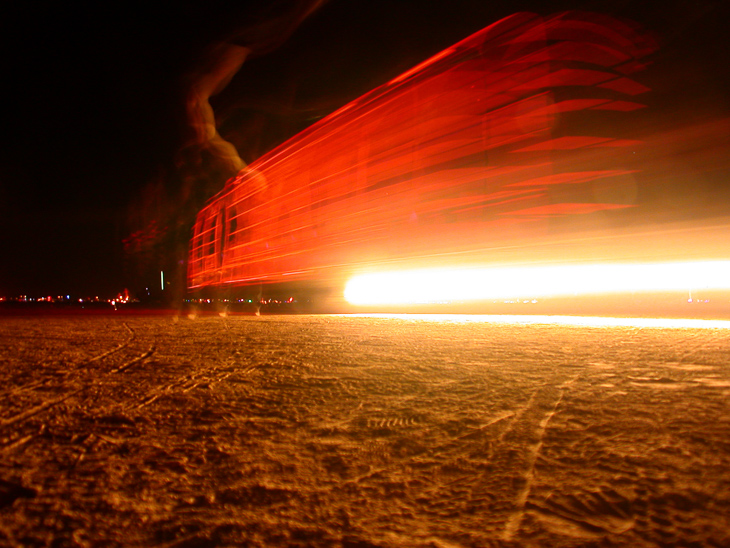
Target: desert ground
{"points": [[360, 432]]}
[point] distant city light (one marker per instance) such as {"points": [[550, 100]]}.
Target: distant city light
{"points": [[477, 284], [65, 300]]}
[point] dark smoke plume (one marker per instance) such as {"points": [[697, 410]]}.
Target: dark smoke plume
{"points": [[161, 216]]}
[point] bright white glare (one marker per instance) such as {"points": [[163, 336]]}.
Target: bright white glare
{"points": [[582, 321], [478, 284]]}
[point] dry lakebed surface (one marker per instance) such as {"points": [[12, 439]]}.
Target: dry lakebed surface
{"points": [[361, 431]]}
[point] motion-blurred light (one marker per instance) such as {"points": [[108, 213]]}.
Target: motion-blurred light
{"points": [[478, 284]]}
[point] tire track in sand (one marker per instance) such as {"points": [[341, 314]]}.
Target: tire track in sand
{"points": [[70, 371], [81, 385], [533, 450], [495, 498]]}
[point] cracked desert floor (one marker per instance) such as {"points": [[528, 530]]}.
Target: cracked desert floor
{"points": [[361, 431]]}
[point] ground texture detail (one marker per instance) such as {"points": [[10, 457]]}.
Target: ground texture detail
{"points": [[361, 432]]}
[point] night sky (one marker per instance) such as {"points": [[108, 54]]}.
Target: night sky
{"points": [[94, 119]]}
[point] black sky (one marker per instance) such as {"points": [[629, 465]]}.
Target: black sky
{"points": [[92, 107]]}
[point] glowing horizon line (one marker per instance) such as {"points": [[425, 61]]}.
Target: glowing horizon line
{"points": [[445, 285], [544, 319]]}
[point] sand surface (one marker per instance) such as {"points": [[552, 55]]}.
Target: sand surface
{"points": [[361, 432]]}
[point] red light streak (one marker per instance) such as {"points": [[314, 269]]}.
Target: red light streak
{"points": [[463, 152]]}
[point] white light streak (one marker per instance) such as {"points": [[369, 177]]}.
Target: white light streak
{"points": [[479, 284]]}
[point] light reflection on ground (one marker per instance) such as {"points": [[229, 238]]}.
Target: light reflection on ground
{"points": [[586, 321]]}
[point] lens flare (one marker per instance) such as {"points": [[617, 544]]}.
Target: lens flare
{"points": [[448, 285]]}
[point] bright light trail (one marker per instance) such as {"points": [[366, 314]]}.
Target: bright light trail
{"points": [[448, 285], [581, 321]]}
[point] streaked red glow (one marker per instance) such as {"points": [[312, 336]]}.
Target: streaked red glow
{"points": [[624, 85], [479, 145], [575, 177], [558, 210], [622, 106], [422, 66], [477, 284], [572, 143]]}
